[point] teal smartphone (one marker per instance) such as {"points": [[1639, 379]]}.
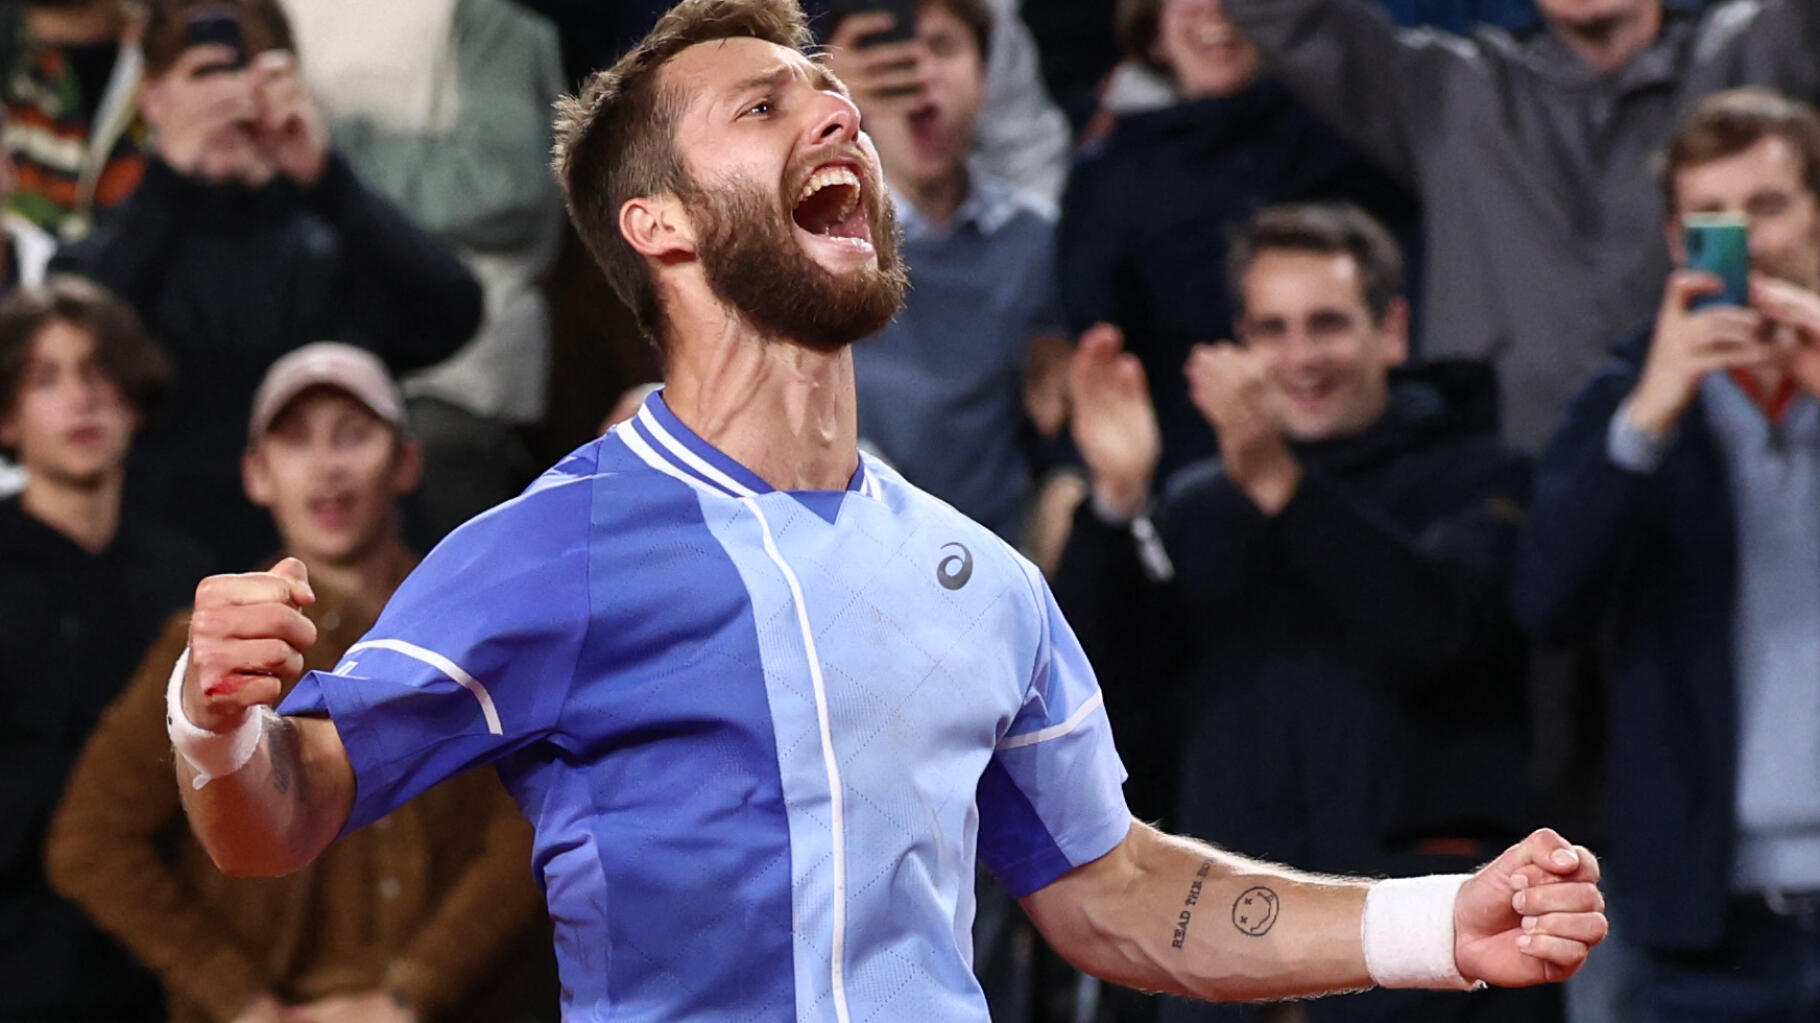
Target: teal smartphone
{"points": [[1719, 243]]}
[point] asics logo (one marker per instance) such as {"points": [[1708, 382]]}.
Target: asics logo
{"points": [[955, 569]]}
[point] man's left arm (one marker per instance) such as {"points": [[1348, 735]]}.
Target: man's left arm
{"points": [[1164, 913]]}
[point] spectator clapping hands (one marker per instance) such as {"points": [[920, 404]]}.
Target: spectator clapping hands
{"points": [[1231, 387], [1115, 425]]}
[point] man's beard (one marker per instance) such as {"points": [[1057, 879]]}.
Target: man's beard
{"points": [[752, 260]]}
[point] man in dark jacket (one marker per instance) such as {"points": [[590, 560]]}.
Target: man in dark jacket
{"points": [[249, 237], [1150, 259], [1676, 504], [1322, 609], [83, 590]]}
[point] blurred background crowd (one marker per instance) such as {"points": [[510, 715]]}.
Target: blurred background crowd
{"points": [[1338, 360]]}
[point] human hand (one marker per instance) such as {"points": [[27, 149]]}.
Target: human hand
{"points": [[263, 1009], [1231, 388], [289, 129], [1531, 915], [1689, 344], [883, 78], [1114, 422], [1795, 313], [366, 1007], [247, 638], [192, 103]]}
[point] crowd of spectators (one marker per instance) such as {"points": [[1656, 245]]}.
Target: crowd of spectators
{"points": [[1336, 359]]}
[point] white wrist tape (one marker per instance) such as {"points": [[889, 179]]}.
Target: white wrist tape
{"points": [[212, 754], [1408, 932]]}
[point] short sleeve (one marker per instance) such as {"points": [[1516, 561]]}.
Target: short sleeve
{"points": [[1052, 798], [472, 657]]}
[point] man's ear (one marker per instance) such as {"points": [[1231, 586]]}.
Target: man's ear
{"points": [[657, 226], [1396, 333], [254, 480], [407, 467]]}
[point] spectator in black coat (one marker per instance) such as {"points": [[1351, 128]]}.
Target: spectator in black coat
{"points": [[83, 591], [250, 237], [1146, 216], [1319, 614]]}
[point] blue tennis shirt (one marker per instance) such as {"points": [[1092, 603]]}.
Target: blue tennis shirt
{"points": [[760, 734]]}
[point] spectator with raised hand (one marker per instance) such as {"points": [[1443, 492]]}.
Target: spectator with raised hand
{"points": [[397, 922], [1674, 506], [249, 237], [1531, 157], [1328, 594], [72, 129], [84, 588], [1150, 259], [942, 387]]}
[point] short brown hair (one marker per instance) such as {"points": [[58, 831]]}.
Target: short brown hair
{"points": [[263, 27], [1728, 123], [615, 141], [1333, 229], [126, 353], [975, 14]]}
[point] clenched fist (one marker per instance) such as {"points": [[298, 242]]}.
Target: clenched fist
{"points": [[247, 638]]}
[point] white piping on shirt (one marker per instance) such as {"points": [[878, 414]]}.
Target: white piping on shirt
{"points": [[442, 664], [839, 947], [631, 439], [1056, 731], [690, 458]]}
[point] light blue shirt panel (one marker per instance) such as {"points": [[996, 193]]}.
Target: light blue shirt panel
{"points": [[920, 682]]}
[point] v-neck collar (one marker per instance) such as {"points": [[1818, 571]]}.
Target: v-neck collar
{"points": [[665, 443]]}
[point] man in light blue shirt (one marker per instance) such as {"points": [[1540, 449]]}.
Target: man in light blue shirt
{"points": [[763, 701]]}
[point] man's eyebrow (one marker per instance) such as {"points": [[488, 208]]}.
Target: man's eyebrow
{"points": [[769, 79]]}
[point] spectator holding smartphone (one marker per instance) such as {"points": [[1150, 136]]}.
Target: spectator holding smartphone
{"points": [[249, 237], [947, 376], [1676, 503]]}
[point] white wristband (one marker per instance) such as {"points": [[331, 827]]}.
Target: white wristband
{"points": [[1408, 932], [212, 754]]}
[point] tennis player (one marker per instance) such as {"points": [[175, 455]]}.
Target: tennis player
{"points": [[762, 700]]}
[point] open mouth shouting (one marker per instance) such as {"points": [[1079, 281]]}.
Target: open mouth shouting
{"points": [[830, 208]]}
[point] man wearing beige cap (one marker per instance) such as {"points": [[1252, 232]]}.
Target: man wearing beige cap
{"points": [[398, 921]]}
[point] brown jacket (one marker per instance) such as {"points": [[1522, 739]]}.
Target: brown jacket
{"points": [[421, 903]]}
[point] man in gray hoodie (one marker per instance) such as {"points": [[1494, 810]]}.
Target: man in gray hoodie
{"points": [[1531, 154]]}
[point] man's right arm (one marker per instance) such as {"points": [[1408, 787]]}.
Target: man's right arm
{"points": [[1590, 481], [274, 811], [1379, 88]]}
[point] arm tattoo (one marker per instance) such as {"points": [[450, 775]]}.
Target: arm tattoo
{"points": [[1255, 912], [284, 747], [1194, 896]]}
